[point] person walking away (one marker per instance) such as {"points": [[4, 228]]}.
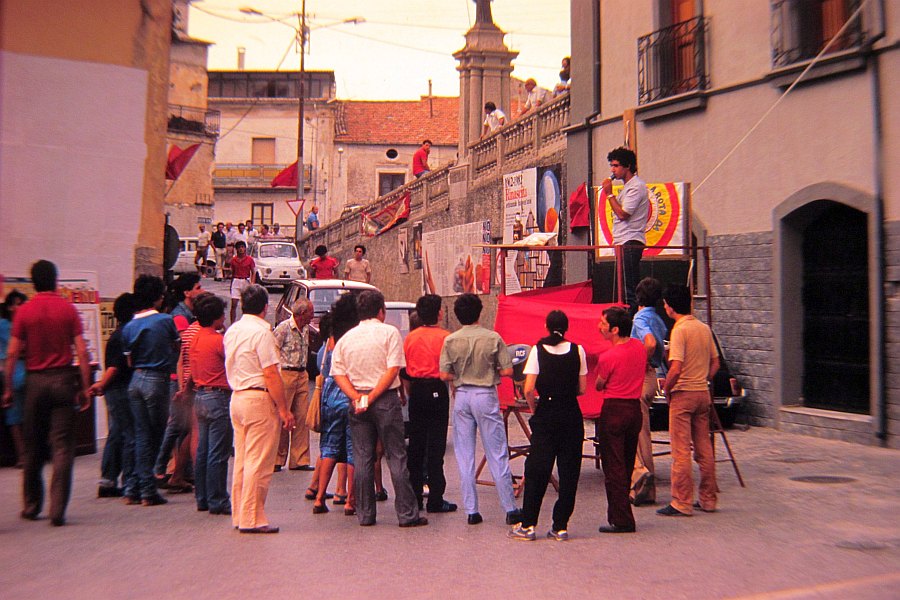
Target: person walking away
{"points": [[631, 209], [323, 266], [366, 363], [257, 404], [358, 268], [292, 337], [693, 361], [44, 331], [429, 405], [118, 451], [211, 404], [474, 359], [151, 342], [557, 370], [649, 329], [620, 375]]}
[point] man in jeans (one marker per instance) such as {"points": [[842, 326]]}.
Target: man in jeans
{"points": [[44, 331], [474, 359], [151, 341], [693, 361]]}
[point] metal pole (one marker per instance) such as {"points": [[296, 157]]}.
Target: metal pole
{"points": [[300, 170]]}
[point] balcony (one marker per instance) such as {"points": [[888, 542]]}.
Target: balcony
{"points": [[672, 61], [538, 133], [801, 29], [254, 176], [189, 119]]}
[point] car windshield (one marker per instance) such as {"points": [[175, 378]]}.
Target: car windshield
{"points": [[322, 299], [277, 251]]}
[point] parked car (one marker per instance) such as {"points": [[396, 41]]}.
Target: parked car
{"points": [[397, 314], [728, 396], [187, 252], [277, 262]]}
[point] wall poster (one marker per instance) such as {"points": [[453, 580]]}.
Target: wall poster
{"points": [[452, 265]]}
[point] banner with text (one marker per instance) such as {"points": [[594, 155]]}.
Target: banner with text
{"points": [[668, 221]]}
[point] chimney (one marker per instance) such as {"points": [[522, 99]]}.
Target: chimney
{"points": [[241, 53]]}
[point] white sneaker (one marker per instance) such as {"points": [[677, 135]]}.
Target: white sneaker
{"points": [[517, 532], [560, 536]]}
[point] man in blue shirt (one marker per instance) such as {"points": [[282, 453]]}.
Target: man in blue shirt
{"points": [[650, 330], [312, 219], [151, 342]]}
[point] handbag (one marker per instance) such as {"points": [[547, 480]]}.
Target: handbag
{"points": [[314, 412]]}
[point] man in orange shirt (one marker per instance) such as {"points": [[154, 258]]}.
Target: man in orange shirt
{"points": [[243, 273], [429, 405]]}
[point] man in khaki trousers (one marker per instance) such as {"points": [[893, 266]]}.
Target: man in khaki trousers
{"points": [[257, 403], [292, 337]]}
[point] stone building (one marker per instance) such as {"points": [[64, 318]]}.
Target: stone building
{"points": [[799, 204], [82, 137]]}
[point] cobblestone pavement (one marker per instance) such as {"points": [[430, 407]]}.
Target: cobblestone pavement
{"points": [[776, 538]]}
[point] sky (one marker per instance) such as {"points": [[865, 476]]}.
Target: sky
{"points": [[392, 55]]}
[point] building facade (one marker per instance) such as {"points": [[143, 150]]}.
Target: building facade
{"points": [[792, 185]]}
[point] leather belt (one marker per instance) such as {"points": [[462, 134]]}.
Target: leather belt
{"points": [[253, 389], [293, 368], [213, 388]]}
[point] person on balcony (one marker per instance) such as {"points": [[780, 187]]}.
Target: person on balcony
{"points": [[420, 166], [494, 119], [536, 96]]}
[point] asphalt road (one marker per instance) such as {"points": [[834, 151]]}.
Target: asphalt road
{"points": [[222, 289]]}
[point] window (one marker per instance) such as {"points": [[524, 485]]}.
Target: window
{"points": [[802, 28], [261, 214], [388, 182], [672, 60], [262, 151]]}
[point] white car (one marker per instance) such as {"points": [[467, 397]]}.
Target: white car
{"points": [[187, 252], [277, 262]]}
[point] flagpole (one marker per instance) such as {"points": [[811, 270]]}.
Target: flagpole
{"points": [[300, 167]]}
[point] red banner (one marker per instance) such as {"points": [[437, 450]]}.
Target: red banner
{"points": [[287, 177], [178, 160], [373, 224]]}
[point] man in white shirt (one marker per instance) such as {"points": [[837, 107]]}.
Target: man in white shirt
{"points": [[358, 268], [257, 405], [494, 119], [536, 96], [365, 365], [203, 239], [631, 209]]}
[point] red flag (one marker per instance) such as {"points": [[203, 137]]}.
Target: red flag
{"points": [[287, 177], [373, 224], [578, 208], [178, 160]]}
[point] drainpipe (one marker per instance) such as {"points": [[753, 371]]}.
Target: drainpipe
{"points": [[878, 233], [595, 112]]}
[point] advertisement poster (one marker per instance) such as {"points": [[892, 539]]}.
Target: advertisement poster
{"points": [[531, 204], [415, 245], [668, 222], [403, 249], [452, 265]]}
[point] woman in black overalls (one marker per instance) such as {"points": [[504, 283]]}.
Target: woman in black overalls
{"points": [[556, 369]]}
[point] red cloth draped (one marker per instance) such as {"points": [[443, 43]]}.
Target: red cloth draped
{"points": [[521, 318], [579, 211], [287, 177], [178, 160], [376, 223]]}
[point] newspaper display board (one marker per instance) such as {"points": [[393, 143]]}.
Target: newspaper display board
{"points": [[451, 265], [668, 221]]}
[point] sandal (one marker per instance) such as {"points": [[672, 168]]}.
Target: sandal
{"points": [[340, 499], [311, 494], [349, 512]]}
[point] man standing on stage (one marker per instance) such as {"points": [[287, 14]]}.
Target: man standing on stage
{"points": [[693, 361], [631, 209], [44, 331], [257, 404], [429, 404]]}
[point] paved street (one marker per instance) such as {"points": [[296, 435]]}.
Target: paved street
{"points": [[222, 289], [777, 538]]}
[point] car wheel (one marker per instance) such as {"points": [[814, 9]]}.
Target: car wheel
{"points": [[210, 270]]}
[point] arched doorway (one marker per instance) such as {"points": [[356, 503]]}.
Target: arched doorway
{"points": [[835, 297]]}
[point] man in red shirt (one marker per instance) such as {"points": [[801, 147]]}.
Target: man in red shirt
{"points": [[45, 329], [323, 266], [429, 404], [620, 374], [243, 273], [420, 160]]}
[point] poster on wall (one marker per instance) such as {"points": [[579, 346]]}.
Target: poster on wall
{"points": [[668, 222], [452, 265], [403, 249], [415, 245], [531, 205]]}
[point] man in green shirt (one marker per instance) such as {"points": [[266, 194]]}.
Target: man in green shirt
{"points": [[474, 359]]}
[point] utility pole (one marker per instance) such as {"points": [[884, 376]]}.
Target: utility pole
{"points": [[300, 167]]}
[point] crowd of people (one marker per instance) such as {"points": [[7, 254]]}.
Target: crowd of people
{"points": [[184, 394]]}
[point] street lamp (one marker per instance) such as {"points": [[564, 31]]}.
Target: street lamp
{"points": [[302, 34]]}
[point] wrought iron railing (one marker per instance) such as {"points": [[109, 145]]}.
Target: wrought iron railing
{"points": [[802, 28], [673, 61], [193, 120]]}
